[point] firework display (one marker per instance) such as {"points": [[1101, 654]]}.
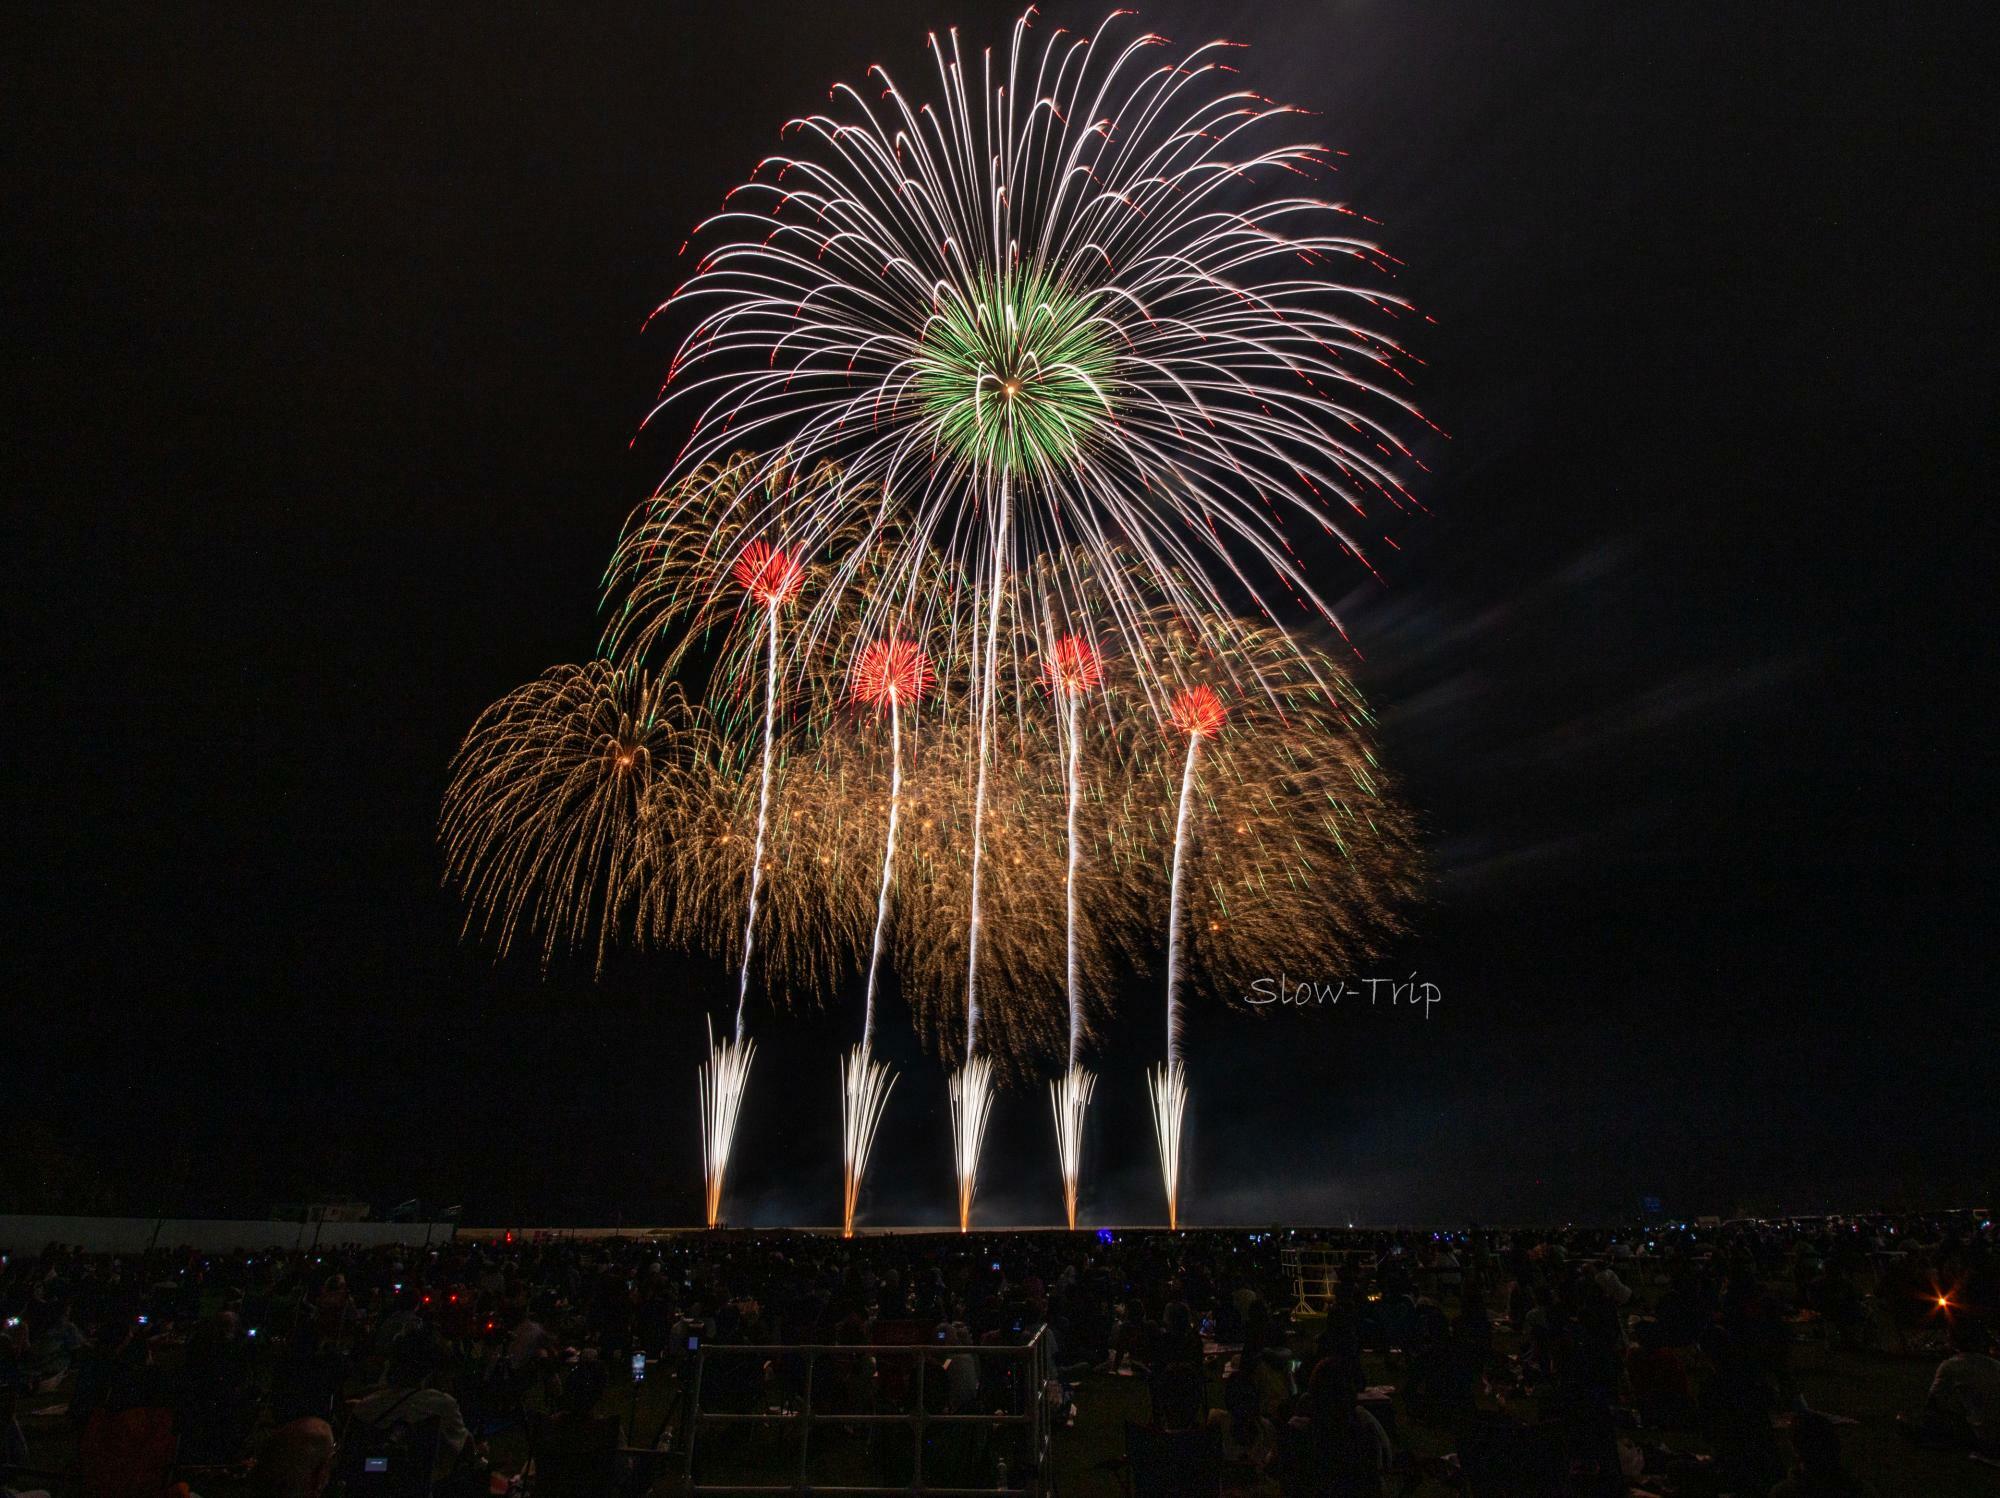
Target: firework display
{"points": [[950, 663]]}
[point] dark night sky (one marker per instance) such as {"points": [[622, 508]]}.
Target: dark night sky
{"points": [[323, 333]]}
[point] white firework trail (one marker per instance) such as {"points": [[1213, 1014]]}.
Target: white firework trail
{"points": [[1174, 904], [888, 672], [1198, 713], [888, 873], [763, 811], [1073, 667]]}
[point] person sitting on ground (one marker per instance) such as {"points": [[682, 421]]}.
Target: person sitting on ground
{"points": [[407, 1398], [1339, 1449], [1180, 1396], [1179, 1341], [1964, 1405], [1735, 1410], [1820, 1472], [296, 1462], [1249, 1441], [578, 1455], [1134, 1338]]}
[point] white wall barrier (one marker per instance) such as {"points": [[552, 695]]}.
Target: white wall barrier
{"points": [[27, 1235]]}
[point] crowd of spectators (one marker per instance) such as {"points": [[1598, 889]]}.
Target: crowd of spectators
{"points": [[1580, 1349]]}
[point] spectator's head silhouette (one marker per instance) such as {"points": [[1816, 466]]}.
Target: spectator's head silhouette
{"points": [[296, 1462]]}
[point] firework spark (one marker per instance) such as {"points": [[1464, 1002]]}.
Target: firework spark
{"points": [[890, 673], [1198, 713], [771, 578], [1072, 669]]}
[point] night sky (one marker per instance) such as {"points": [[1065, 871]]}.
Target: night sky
{"points": [[325, 360]]}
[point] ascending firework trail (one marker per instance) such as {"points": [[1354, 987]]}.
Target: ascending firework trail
{"points": [[890, 673], [971, 1086], [1198, 713], [1073, 669], [771, 579]]}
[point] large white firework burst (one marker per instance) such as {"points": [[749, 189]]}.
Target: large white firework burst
{"points": [[1086, 298]]}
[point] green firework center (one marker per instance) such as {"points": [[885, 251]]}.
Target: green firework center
{"points": [[1017, 374]]}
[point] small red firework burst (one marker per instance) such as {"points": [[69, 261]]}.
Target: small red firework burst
{"points": [[892, 671], [1073, 667], [1197, 710], [768, 574]]}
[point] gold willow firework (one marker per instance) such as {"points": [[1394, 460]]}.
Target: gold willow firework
{"points": [[559, 798], [597, 792]]}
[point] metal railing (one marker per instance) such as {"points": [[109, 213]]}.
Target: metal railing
{"points": [[901, 1373], [1315, 1270]]}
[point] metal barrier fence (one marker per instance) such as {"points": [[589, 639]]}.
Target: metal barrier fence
{"points": [[1315, 1269], [899, 1374]]}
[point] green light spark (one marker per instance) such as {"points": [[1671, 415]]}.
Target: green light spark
{"points": [[1018, 375]]}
